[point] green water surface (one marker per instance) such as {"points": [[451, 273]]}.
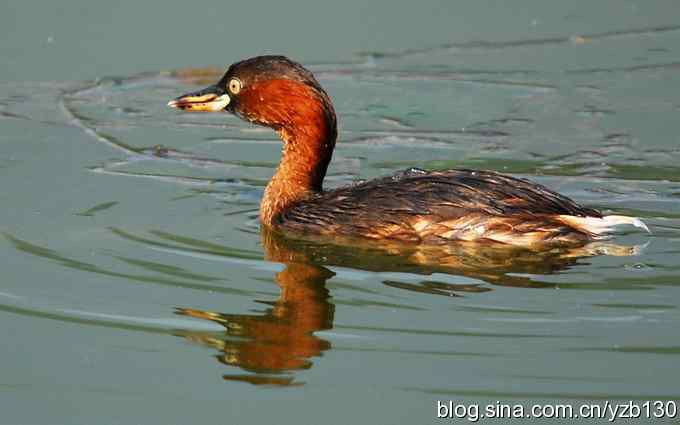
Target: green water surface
{"points": [[137, 288]]}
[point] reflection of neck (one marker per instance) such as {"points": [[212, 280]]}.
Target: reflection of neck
{"points": [[308, 142], [303, 286], [304, 296]]}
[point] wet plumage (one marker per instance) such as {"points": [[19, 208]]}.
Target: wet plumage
{"points": [[439, 206]]}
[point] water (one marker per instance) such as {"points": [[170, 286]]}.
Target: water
{"points": [[137, 287]]}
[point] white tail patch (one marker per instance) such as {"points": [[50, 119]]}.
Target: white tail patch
{"points": [[602, 226]]}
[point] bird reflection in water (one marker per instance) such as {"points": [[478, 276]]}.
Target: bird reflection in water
{"points": [[282, 339], [274, 344]]}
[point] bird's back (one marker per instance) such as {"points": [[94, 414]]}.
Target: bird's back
{"points": [[441, 206]]}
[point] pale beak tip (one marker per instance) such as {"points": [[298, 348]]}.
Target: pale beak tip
{"points": [[172, 104]]}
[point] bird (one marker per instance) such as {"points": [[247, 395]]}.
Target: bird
{"points": [[413, 206]]}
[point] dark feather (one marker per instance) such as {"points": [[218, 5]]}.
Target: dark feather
{"points": [[420, 206]]}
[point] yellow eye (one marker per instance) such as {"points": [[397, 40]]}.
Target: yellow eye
{"points": [[235, 85]]}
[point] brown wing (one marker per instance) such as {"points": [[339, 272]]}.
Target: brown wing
{"points": [[452, 204]]}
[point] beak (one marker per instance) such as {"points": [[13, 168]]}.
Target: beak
{"points": [[210, 99]]}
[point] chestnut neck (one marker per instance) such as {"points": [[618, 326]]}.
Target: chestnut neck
{"points": [[309, 133]]}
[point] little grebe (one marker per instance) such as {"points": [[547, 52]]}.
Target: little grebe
{"points": [[414, 206]]}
